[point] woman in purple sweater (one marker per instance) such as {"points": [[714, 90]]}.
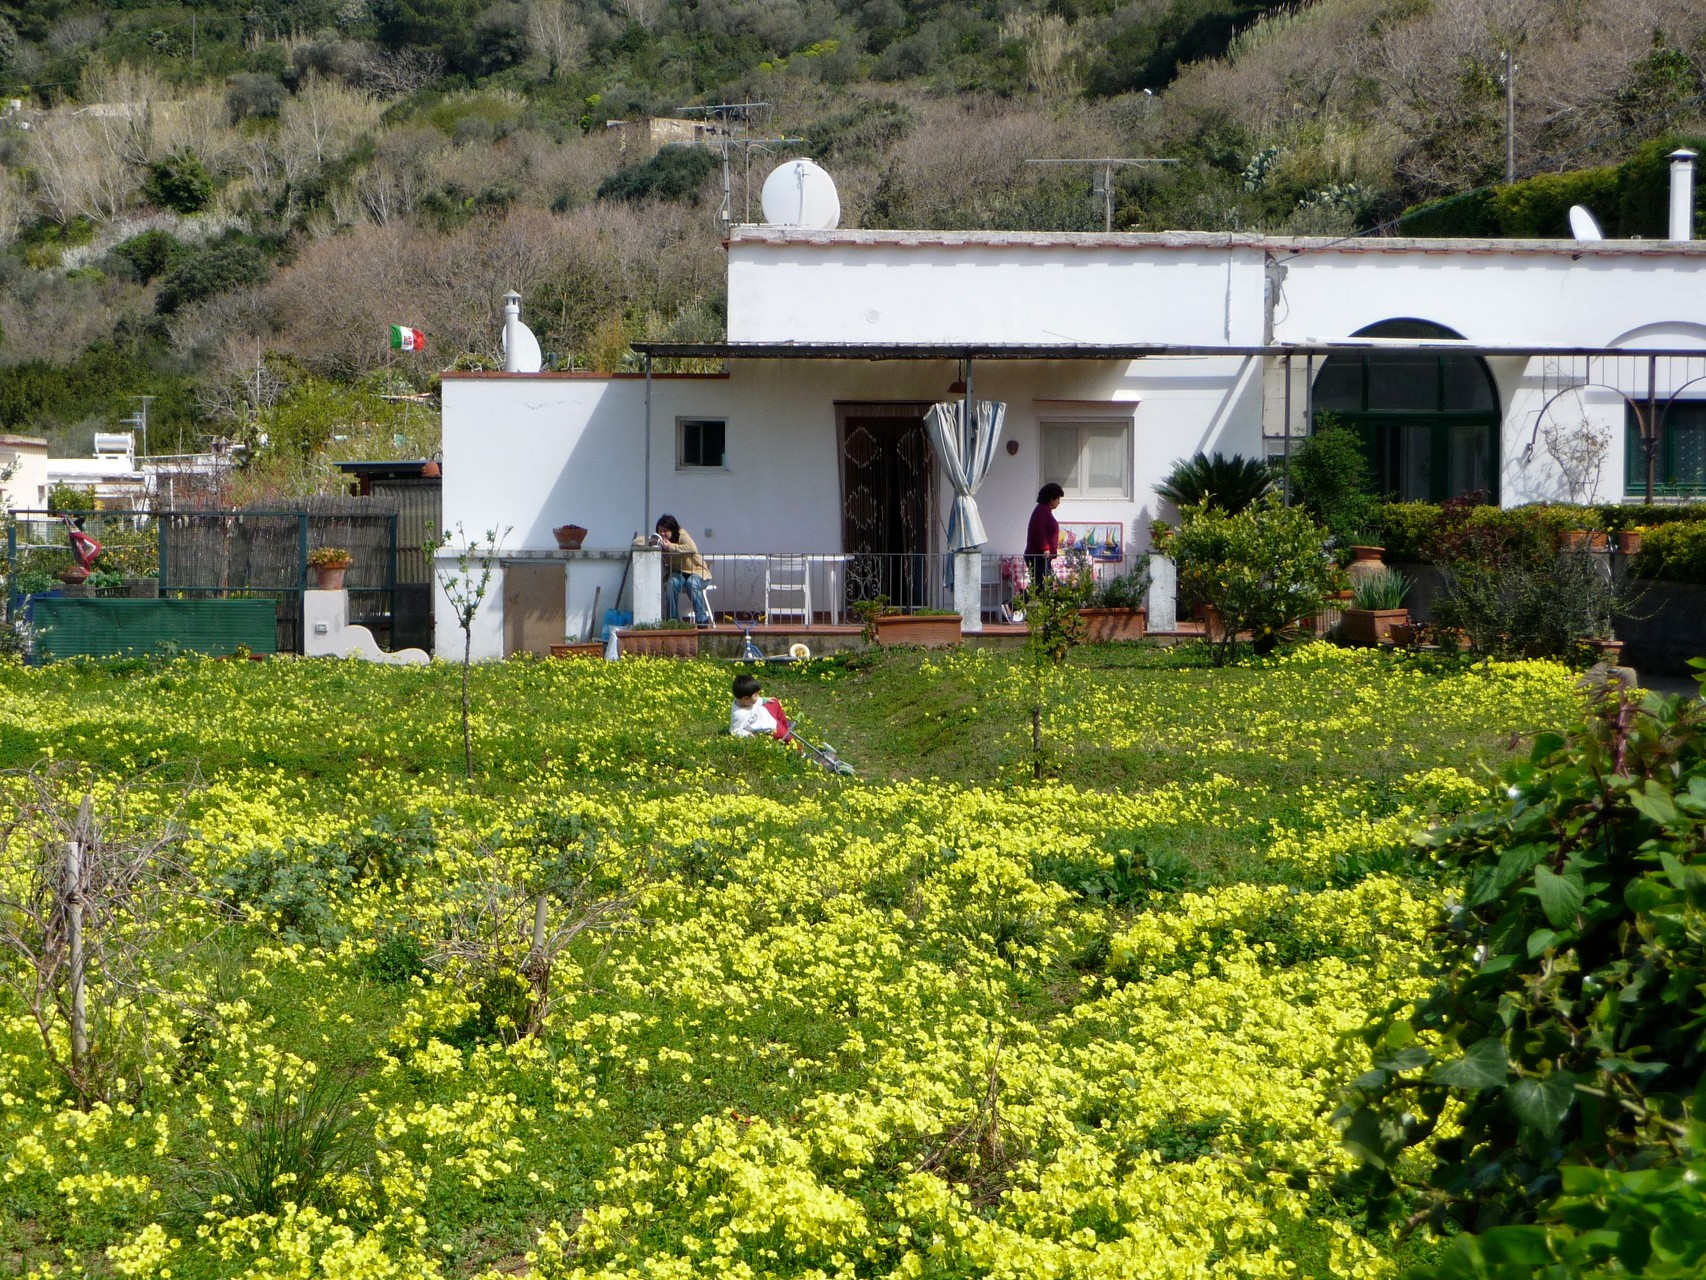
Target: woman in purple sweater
{"points": [[1042, 535]]}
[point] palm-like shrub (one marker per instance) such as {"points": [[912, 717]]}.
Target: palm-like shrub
{"points": [[1226, 484]]}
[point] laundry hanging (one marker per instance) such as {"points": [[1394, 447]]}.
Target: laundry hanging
{"points": [[966, 450]]}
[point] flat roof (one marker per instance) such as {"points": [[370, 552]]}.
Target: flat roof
{"points": [[1105, 351], [1212, 240]]}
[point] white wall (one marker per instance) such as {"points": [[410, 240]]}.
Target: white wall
{"points": [[27, 488], [919, 287], [1495, 299]]}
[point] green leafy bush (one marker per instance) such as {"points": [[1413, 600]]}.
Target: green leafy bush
{"points": [[149, 253], [1331, 478], [1128, 590], [1675, 552], [180, 182], [1406, 529], [212, 270], [674, 173], [1262, 568], [1564, 1027]]}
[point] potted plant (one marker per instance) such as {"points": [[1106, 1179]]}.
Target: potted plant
{"points": [[1117, 608], [569, 536], [672, 639], [329, 565], [932, 628], [1377, 605], [1629, 540]]}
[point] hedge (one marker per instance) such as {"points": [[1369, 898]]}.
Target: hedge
{"points": [[1629, 200], [1675, 552], [1408, 530]]}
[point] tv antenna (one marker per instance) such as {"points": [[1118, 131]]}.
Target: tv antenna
{"points": [[1102, 177], [139, 419], [732, 129]]}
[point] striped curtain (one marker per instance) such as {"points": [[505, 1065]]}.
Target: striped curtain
{"points": [[966, 450]]}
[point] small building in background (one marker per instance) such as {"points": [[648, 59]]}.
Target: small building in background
{"points": [[23, 473]]}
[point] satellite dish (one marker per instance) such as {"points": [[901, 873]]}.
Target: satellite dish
{"points": [[1582, 224], [801, 194], [527, 356]]}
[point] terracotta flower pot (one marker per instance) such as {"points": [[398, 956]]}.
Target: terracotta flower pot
{"points": [[569, 537], [1365, 561], [661, 643], [1629, 542], [932, 630], [330, 577], [1104, 625], [578, 649], [1371, 626], [1583, 540]]}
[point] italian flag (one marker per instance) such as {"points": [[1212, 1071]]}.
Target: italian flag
{"points": [[404, 338]]}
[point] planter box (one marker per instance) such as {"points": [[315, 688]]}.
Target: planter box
{"points": [[1582, 540], [933, 631], [658, 644], [1371, 626], [1104, 625], [580, 649]]}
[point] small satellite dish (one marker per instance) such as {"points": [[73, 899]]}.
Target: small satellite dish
{"points": [[801, 194], [1583, 225], [527, 356]]}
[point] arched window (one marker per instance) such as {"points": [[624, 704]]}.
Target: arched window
{"points": [[1429, 420]]}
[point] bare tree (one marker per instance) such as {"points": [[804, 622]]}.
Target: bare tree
{"points": [[395, 75], [80, 914], [557, 35]]}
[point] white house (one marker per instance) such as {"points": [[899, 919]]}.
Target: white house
{"points": [[1460, 361], [23, 473]]}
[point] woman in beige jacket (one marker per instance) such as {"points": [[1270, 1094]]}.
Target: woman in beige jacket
{"points": [[687, 569]]}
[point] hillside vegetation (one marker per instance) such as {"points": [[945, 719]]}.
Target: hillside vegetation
{"points": [[227, 209]]}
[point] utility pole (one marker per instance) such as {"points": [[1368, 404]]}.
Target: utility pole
{"points": [[1102, 181], [1509, 78]]}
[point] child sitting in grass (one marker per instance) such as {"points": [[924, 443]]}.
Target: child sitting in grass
{"points": [[749, 716]]}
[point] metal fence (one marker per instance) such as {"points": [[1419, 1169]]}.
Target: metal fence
{"points": [[821, 589], [265, 553], [252, 554]]}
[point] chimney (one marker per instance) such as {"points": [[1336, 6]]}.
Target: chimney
{"points": [[1682, 194], [512, 321]]}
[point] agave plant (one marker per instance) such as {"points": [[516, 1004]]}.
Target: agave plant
{"points": [[1229, 484]]}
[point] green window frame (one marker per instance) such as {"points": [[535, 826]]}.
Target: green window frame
{"points": [[1680, 467], [1429, 420]]}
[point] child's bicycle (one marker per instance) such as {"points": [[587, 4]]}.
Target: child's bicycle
{"points": [[820, 754]]}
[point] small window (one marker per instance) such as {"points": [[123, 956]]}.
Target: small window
{"points": [[699, 444], [1089, 459]]}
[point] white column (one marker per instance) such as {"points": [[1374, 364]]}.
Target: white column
{"points": [[1163, 594], [968, 589], [648, 584]]}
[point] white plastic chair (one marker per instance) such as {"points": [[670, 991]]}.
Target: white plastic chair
{"points": [[788, 589]]}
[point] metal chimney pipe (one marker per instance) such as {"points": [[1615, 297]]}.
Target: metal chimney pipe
{"points": [[1682, 194], [512, 323]]}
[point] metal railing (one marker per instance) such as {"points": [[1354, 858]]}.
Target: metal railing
{"points": [[780, 588]]}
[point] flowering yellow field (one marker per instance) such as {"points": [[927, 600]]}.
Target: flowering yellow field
{"points": [[943, 1026]]}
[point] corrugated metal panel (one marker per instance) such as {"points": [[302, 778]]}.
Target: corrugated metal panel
{"points": [[106, 628], [419, 506]]}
